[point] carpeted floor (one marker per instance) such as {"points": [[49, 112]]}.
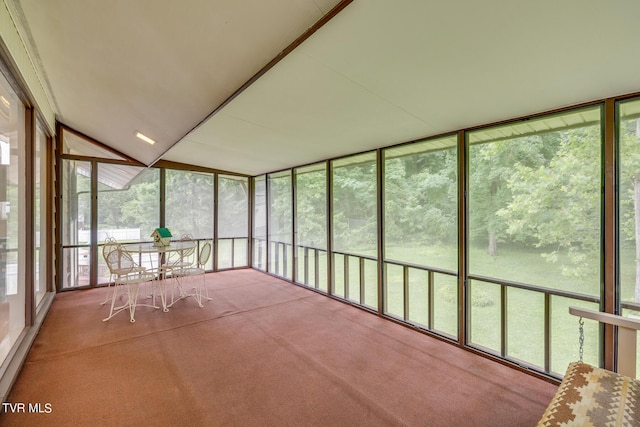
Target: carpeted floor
{"points": [[263, 352]]}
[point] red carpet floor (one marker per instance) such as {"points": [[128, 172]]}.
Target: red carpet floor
{"points": [[263, 352]]}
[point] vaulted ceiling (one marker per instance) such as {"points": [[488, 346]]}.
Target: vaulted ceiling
{"points": [[377, 73]]}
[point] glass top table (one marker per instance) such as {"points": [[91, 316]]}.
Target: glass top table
{"points": [[147, 248]]}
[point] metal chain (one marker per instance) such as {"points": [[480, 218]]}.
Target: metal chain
{"points": [[581, 338]]}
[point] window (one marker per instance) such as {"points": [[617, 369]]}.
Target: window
{"points": [[12, 218], [311, 226], [421, 233], [280, 230], [76, 223], [629, 207], [259, 223], [233, 221], [534, 236], [128, 207], [355, 230]]}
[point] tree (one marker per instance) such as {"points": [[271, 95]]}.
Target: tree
{"points": [[311, 209], [491, 167], [555, 204]]}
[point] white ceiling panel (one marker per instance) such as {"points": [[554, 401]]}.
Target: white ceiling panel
{"points": [[377, 74], [381, 73], [307, 114], [116, 67]]}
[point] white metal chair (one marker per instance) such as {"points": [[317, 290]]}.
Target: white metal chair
{"points": [[179, 259], [128, 275], [198, 270], [176, 261], [110, 244]]}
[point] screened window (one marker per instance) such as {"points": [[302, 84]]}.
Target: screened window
{"points": [[76, 223], [193, 190], [629, 208], [259, 223], [534, 220], [355, 232], [233, 221], [311, 226], [128, 207], [421, 229], [280, 230]]}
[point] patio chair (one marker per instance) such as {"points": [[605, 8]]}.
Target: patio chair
{"points": [[179, 259], [198, 270], [110, 244], [128, 275]]}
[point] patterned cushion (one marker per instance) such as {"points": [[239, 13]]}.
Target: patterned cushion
{"points": [[590, 396]]}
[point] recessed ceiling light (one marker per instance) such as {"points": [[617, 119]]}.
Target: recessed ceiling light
{"points": [[145, 138]]}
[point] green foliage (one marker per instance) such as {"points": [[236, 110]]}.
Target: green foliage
{"points": [[311, 209], [189, 203], [135, 206], [355, 225], [555, 203], [233, 208], [280, 208], [421, 198]]}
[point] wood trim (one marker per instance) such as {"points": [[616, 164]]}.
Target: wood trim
{"points": [[267, 212], [297, 42], [294, 226], [62, 128], [51, 214], [58, 215], [184, 166], [462, 238], [216, 204], [251, 221], [380, 168], [329, 219], [30, 127], [93, 255], [162, 196], [609, 303]]}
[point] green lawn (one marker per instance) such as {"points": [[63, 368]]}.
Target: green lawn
{"points": [[525, 309]]}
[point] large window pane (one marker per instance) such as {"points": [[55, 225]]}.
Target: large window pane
{"points": [[128, 206], [233, 220], [421, 218], [189, 203], [525, 326], [394, 291], [259, 223], [76, 223], [311, 224], [12, 219], [629, 178], [354, 204], [629, 207], [280, 212], [534, 218], [128, 202]]}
